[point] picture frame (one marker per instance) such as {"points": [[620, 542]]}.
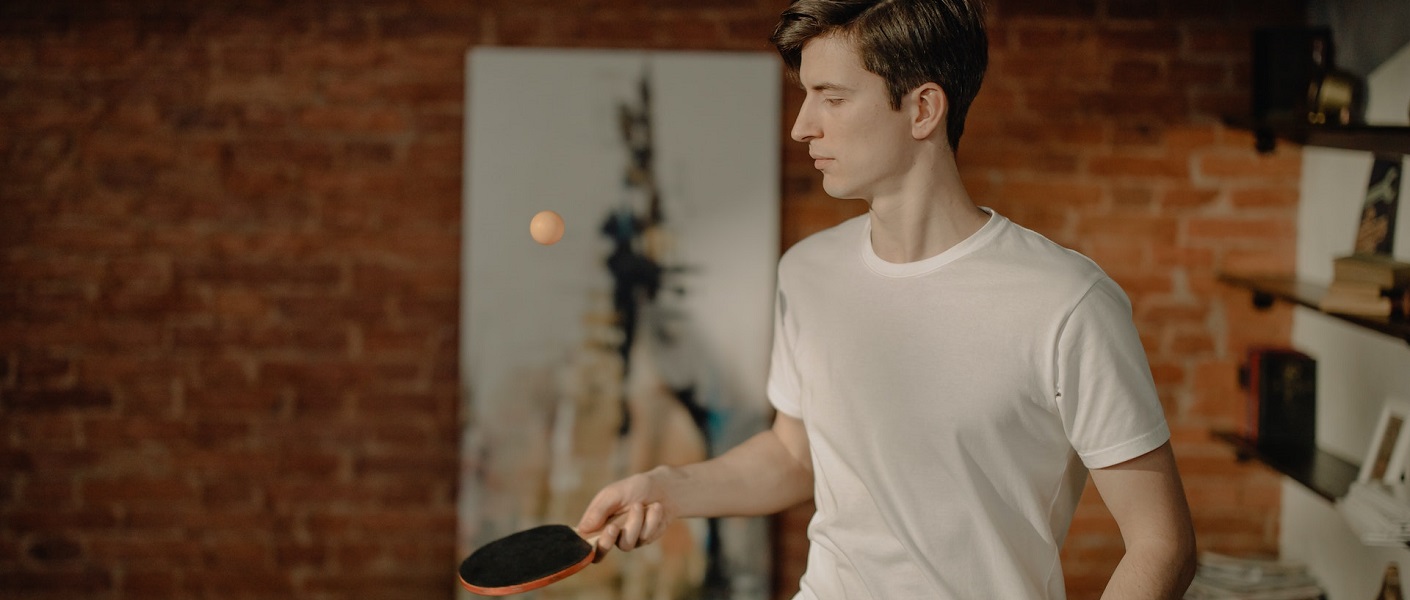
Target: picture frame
{"points": [[1390, 442], [1375, 229], [640, 337]]}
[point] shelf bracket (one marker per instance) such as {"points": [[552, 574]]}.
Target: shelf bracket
{"points": [[1262, 300]]}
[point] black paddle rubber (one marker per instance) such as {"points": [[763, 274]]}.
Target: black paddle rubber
{"points": [[525, 561]]}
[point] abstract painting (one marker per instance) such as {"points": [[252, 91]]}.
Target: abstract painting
{"points": [[641, 337]]}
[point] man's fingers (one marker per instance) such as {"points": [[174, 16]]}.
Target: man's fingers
{"points": [[654, 527], [611, 535], [631, 528], [605, 541], [598, 512]]}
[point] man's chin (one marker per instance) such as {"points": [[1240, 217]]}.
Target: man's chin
{"points": [[840, 192]]}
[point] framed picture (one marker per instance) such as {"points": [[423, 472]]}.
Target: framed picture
{"points": [[639, 338], [1375, 232], [1385, 459]]}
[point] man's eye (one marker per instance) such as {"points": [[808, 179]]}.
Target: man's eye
{"points": [[833, 101]]}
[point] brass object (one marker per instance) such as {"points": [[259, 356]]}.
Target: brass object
{"points": [[1390, 586], [1336, 98]]}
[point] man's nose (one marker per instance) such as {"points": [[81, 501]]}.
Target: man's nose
{"points": [[804, 127]]}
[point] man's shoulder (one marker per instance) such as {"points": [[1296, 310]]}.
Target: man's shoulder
{"points": [[1040, 259], [823, 247]]}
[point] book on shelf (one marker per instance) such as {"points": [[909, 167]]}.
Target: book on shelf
{"points": [[1280, 387], [1229, 577], [1368, 285], [1378, 269], [1356, 298], [1378, 512]]}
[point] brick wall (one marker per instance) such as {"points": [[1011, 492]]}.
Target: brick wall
{"points": [[229, 266]]}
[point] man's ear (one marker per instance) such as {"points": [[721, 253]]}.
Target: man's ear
{"points": [[931, 107]]}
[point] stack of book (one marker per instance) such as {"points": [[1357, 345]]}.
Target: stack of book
{"points": [[1225, 577], [1378, 512], [1368, 285]]}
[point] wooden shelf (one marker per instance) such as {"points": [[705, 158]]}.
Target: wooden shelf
{"points": [[1330, 477], [1383, 139], [1269, 289]]}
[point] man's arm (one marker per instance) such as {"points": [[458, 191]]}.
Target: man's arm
{"points": [[1146, 498], [767, 473]]}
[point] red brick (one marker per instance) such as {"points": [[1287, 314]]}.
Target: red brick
{"points": [[230, 492], [352, 119], [91, 399], [149, 491], [1140, 73], [245, 552], [1134, 9], [1241, 230], [364, 495], [42, 431], [46, 517], [1192, 344], [262, 581], [127, 431], [1217, 104], [407, 464], [1275, 258], [293, 555], [1049, 160], [1140, 39], [1265, 197], [67, 583], [254, 274], [1132, 198], [254, 402], [1039, 8], [1221, 41], [1131, 166], [1116, 253], [398, 585], [44, 371], [1151, 230], [1167, 373], [155, 584], [1053, 193], [1182, 139], [1235, 522], [1185, 198], [1276, 169], [1172, 311]]}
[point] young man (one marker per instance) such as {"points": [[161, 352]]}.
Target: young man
{"points": [[945, 379]]}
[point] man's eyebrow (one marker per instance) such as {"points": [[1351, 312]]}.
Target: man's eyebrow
{"points": [[828, 86]]}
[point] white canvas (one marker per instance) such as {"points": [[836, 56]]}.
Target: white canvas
{"points": [[540, 349]]}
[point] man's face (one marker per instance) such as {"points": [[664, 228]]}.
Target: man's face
{"points": [[861, 145]]}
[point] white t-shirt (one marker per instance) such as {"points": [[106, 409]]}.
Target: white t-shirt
{"points": [[953, 405]]}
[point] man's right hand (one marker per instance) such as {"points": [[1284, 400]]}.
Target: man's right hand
{"points": [[629, 513], [767, 473]]}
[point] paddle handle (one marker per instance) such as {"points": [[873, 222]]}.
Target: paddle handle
{"points": [[619, 519]]}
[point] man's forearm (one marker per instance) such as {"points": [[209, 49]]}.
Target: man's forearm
{"points": [[758, 477], [1153, 571]]}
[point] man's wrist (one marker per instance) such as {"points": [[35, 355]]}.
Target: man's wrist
{"points": [[666, 484]]}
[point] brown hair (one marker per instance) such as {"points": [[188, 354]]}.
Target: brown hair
{"points": [[906, 42]]}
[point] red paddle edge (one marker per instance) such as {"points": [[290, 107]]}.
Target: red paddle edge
{"points": [[531, 585]]}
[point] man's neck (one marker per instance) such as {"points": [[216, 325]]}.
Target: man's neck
{"points": [[930, 214]]}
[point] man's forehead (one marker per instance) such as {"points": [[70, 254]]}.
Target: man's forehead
{"points": [[830, 62]]}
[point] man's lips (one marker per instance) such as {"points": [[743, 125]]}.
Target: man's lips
{"points": [[821, 161]]}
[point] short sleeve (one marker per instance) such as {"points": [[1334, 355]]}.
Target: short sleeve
{"points": [[783, 388], [1105, 393]]}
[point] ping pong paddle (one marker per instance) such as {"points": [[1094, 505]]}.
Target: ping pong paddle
{"points": [[527, 560]]}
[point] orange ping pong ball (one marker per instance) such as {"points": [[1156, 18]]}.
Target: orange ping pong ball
{"points": [[546, 227]]}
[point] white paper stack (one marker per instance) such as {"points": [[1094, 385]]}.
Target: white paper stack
{"points": [[1378, 512], [1222, 577]]}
